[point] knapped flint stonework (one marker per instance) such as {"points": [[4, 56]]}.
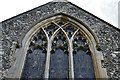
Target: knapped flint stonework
{"points": [[15, 29]]}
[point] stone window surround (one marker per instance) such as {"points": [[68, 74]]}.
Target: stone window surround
{"points": [[16, 69]]}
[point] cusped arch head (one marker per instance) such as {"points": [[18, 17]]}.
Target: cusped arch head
{"points": [[61, 16]]}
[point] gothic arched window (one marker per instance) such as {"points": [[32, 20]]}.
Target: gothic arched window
{"points": [[59, 48]]}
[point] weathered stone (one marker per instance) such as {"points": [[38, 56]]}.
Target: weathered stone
{"points": [[14, 29]]}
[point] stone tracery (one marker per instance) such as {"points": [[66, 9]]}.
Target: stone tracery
{"points": [[60, 34]]}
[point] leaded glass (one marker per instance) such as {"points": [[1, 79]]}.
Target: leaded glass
{"points": [[50, 29], [70, 29], [55, 48], [35, 58], [83, 67], [59, 57]]}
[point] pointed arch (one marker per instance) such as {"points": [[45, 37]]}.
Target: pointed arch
{"points": [[54, 19]]}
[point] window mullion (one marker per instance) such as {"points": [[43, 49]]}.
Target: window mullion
{"points": [[71, 60], [47, 66], [71, 70], [71, 56], [47, 63], [71, 75], [74, 34]]}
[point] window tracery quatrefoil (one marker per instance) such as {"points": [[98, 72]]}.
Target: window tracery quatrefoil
{"points": [[58, 50]]}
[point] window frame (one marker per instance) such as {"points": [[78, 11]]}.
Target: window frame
{"points": [[91, 37]]}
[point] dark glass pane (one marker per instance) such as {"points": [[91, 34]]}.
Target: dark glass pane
{"points": [[83, 66], [60, 23], [34, 65], [70, 29], [59, 57], [59, 64], [35, 59], [50, 29]]}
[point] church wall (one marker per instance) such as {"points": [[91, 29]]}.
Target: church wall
{"points": [[14, 30]]}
